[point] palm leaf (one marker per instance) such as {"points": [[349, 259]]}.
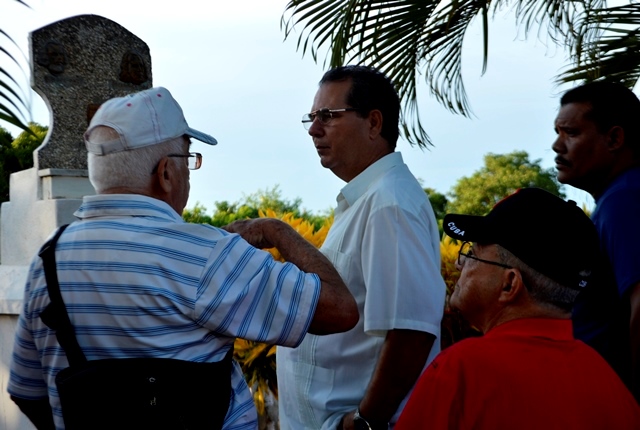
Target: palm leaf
{"points": [[407, 38], [610, 51], [13, 105]]}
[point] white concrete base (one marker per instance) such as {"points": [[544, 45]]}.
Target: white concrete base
{"points": [[40, 201]]}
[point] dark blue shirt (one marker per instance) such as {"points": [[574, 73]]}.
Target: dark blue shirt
{"points": [[601, 314]]}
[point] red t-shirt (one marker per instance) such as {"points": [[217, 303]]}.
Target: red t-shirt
{"points": [[523, 374]]}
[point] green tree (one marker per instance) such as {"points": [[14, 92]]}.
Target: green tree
{"points": [[439, 204], [412, 40], [250, 206], [17, 154], [500, 176], [13, 103]]}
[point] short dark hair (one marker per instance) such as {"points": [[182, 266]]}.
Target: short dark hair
{"points": [[544, 290], [370, 89], [612, 105]]}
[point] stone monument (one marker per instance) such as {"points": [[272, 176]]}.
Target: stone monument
{"points": [[76, 64]]}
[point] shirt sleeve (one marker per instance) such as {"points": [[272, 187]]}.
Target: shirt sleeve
{"points": [[616, 219], [26, 374], [401, 266], [246, 293]]}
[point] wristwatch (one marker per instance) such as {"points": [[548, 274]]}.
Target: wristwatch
{"points": [[360, 423]]}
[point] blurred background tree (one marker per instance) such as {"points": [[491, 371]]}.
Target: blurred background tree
{"points": [[250, 206], [501, 175], [17, 154]]}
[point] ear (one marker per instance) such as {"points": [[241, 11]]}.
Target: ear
{"points": [[164, 175], [375, 123], [512, 286], [616, 138]]}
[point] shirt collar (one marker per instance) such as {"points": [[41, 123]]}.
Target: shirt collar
{"points": [[125, 205], [549, 328], [620, 180], [351, 192]]}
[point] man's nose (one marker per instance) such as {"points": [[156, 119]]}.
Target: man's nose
{"points": [[316, 128], [558, 145]]}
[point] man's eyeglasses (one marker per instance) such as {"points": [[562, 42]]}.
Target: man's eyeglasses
{"points": [[324, 115], [466, 251], [194, 159]]}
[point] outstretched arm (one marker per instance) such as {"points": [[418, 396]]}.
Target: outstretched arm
{"points": [[336, 311]]}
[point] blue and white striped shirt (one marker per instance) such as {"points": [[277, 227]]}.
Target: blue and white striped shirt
{"points": [[138, 281]]}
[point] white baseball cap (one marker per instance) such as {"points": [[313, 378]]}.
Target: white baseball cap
{"points": [[141, 119]]}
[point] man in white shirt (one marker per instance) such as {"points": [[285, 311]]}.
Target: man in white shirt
{"points": [[384, 243]]}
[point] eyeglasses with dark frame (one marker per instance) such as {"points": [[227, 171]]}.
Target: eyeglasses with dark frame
{"points": [[194, 160], [324, 115], [466, 251]]}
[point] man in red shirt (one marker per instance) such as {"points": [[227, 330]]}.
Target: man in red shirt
{"points": [[522, 267]]}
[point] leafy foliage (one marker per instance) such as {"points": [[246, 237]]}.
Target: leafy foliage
{"points": [[250, 207], [406, 39], [13, 103], [501, 175], [17, 154], [259, 367], [439, 204], [610, 48], [454, 327]]}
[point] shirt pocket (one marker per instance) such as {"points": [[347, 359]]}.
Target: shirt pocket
{"points": [[307, 401]]}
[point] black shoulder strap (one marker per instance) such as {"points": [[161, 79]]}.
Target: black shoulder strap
{"points": [[55, 315]]}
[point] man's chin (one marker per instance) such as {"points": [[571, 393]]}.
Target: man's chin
{"points": [[325, 162], [563, 175]]}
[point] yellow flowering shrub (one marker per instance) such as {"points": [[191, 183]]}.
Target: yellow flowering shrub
{"points": [[303, 227], [453, 327], [448, 256]]}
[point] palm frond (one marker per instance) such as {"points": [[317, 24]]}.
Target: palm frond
{"points": [[13, 105], [611, 50], [408, 38], [382, 34]]}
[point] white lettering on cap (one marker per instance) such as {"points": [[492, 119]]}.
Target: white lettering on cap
{"points": [[454, 229]]}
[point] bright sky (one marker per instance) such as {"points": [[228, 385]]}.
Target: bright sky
{"points": [[227, 64]]}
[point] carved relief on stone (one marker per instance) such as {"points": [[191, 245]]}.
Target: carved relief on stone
{"points": [[132, 69], [53, 56]]}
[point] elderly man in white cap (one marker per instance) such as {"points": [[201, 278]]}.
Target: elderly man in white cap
{"points": [[139, 282]]}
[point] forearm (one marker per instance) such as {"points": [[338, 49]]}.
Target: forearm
{"points": [[403, 356], [297, 250], [336, 310]]}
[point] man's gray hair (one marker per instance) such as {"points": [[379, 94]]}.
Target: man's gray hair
{"points": [[131, 169], [544, 290]]}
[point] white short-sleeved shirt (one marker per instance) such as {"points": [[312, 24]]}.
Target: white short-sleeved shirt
{"points": [[138, 281], [384, 242]]}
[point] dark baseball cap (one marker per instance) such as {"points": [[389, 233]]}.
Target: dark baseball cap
{"points": [[553, 236]]}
